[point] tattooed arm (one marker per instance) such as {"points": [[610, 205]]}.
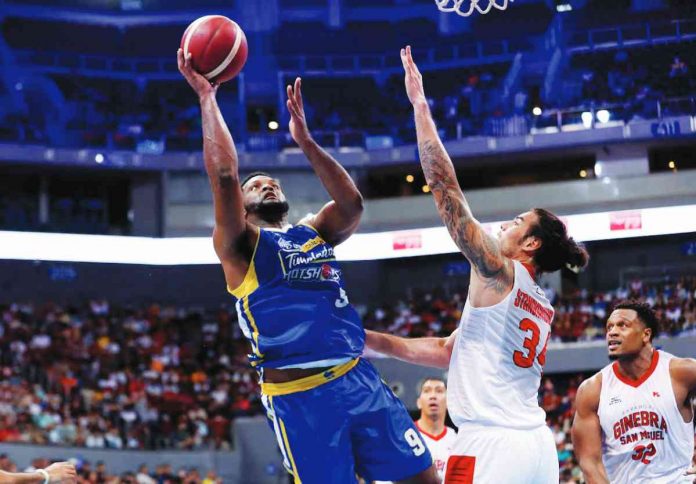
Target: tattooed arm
{"points": [[480, 248], [232, 236]]}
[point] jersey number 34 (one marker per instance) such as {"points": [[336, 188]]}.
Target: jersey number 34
{"points": [[525, 359]]}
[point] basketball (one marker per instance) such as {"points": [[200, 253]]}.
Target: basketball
{"points": [[217, 45]]}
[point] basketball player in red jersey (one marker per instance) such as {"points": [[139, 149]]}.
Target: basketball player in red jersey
{"points": [[497, 354], [634, 421]]}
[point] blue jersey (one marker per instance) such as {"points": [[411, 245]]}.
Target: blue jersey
{"points": [[292, 306]]}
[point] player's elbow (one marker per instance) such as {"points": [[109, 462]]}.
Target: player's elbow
{"points": [[356, 203]]}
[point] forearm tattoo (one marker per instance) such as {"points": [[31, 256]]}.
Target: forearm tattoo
{"points": [[479, 247]]}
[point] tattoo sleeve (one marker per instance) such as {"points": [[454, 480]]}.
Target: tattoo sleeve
{"points": [[480, 248]]}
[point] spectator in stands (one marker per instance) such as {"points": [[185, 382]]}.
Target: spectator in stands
{"points": [[679, 68], [143, 476], [180, 377]]}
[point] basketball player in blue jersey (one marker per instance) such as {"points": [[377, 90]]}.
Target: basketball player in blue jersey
{"points": [[332, 415]]}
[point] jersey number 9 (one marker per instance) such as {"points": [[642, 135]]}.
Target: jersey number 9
{"points": [[414, 440]]}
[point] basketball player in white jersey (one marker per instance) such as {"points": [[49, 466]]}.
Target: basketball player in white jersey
{"points": [[439, 438], [497, 354], [634, 422]]}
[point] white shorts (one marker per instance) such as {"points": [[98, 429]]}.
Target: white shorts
{"points": [[495, 455]]}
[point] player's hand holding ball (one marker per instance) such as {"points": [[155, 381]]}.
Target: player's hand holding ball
{"points": [[298, 122], [200, 84], [213, 50]]}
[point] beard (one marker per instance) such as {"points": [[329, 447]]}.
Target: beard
{"points": [[272, 211]]}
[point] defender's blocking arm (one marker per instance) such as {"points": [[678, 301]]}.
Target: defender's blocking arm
{"points": [[338, 219], [435, 352], [480, 248], [221, 164]]}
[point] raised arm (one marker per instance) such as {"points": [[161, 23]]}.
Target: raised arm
{"points": [[220, 156], [480, 248], [339, 218], [587, 433], [435, 352]]}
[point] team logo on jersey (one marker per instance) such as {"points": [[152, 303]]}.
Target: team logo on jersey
{"points": [[310, 244], [292, 259], [286, 244], [640, 425], [308, 262], [329, 273], [656, 394]]}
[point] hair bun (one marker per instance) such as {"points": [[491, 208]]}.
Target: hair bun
{"points": [[577, 254]]}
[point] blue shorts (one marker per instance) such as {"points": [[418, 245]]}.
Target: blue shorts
{"points": [[347, 425]]}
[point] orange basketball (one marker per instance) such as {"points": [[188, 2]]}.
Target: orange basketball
{"points": [[217, 45]]}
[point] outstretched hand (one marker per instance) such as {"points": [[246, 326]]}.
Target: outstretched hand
{"points": [[414, 79], [298, 122], [200, 84]]}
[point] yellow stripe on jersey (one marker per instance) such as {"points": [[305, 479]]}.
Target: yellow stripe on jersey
{"points": [[287, 448], [248, 285], [309, 382], [250, 282], [254, 328], [310, 226]]}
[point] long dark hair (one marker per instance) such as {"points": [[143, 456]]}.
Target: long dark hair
{"points": [[557, 248]]}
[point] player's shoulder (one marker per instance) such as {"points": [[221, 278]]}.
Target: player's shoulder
{"points": [[683, 369], [590, 390], [528, 283]]}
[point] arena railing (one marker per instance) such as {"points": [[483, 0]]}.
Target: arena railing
{"points": [[553, 129], [446, 56], [549, 121], [632, 35]]}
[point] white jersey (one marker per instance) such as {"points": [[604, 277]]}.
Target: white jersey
{"points": [[498, 358], [645, 438], [440, 447]]}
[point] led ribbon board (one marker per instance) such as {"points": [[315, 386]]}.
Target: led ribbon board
{"points": [[367, 246]]}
